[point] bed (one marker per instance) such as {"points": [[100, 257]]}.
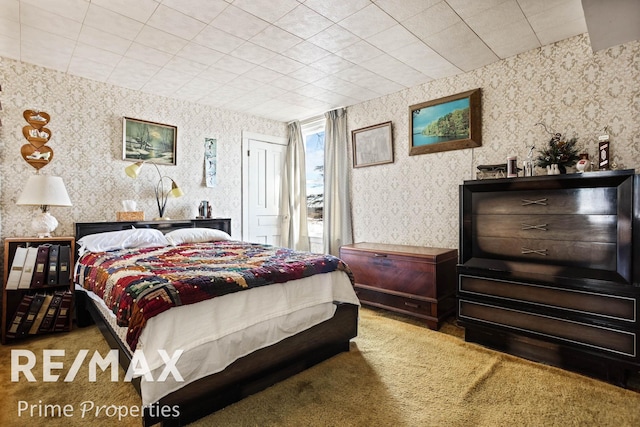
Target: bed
{"points": [[307, 315]]}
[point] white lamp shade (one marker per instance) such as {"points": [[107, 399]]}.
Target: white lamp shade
{"points": [[44, 190]]}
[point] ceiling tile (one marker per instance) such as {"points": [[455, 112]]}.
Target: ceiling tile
{"points": [[235, 65], [10, 10], [468, 9], [334, 38], [269, 10], [100, 39], [239, 23], [306, 52], [369, 80], [337, 10], [424, 59], [173, 22], [185, 66], [217, 75], [265, 75], [308, 74], [246, 82], [282, 64], [94, 54], [216, 39], [405, 9], [253, 53], [202, 10], [432, 21], [72, 9], [90, 69], [198, 53], [286, 82], [331, 64], [52, 43], [10, 28], [160, 40], [56, 59], [140, 10], [368, 21], [303, 22], [358, 52], [147, 54], [462, 47], [50, 22], [112, 23], [392, 38], [275, 39]]}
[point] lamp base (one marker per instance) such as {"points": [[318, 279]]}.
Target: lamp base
{"points": [[43, 224], [161, 218]]}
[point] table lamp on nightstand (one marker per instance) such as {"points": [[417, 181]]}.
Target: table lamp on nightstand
{"points": [[44, 191]]}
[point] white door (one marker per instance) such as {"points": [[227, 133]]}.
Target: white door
{"points": [[263, 164]]}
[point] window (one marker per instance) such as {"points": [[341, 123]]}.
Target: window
{"points": [[313, 136]]}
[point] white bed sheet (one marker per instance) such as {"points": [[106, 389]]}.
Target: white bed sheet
{"points": [[215, 333]]}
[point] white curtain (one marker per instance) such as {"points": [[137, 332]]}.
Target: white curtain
{"points": [[337, 203], [295, 231]]}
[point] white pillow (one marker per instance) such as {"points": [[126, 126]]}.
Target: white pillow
{"points": [[195, 235], [123, 239]]}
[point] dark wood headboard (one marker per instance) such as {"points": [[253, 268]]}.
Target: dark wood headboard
{"points": [[85, 228]]}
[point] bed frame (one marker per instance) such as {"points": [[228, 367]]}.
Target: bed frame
{"points": [[247, 375]]}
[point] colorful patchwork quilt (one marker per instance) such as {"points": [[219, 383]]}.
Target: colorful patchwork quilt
{"points": [[141, 283]]}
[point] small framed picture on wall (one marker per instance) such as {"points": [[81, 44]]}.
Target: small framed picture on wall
{"points": [[372, 145]]}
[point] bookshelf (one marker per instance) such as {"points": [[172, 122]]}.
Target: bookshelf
{"points": [[54, 283]]}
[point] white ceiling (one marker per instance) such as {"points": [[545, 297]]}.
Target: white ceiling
{"points": [[279, 59]]}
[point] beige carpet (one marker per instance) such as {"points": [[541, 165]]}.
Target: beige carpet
{"points": [[398, 373]]}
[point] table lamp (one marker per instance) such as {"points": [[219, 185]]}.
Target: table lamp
{"points": [[44, 191]]}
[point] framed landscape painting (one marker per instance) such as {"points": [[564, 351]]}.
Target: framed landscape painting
{"points": [[445, 124], [149, 141]]}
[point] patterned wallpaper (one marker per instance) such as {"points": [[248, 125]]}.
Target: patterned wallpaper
{"points": [[86, 127], [565, 85], [411, 201]]}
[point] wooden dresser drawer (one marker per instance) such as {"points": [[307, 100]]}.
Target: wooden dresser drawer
{"points": [[400, 303], [594, 255], [592, 336], [586, 201], [614, 307], [585, 228]]}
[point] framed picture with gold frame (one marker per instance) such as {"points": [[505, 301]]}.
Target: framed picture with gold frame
{"points": [[445, 124], [148, 141], [372, 145]]}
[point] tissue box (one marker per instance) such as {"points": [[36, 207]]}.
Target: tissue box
{"points": [[130, 216]]}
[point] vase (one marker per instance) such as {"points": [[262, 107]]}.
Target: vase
{"points": [[562, 169]]}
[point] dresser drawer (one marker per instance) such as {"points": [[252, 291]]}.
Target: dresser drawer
{"points": [[586, 201], [593, 255], [596, 337], [586, 228], [400, 303], [614, 307]]}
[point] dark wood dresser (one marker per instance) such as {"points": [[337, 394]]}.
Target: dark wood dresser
{"points": [[413, 280], [549, 269]]}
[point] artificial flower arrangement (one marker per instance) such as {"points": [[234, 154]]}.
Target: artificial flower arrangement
{"points": [[560, 151]]}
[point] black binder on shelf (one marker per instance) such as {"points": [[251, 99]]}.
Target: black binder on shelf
{"points": [[20, 316], [40, 271], [64, 257], [52, 269]]}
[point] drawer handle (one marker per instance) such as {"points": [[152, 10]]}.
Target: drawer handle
{"points": [[541, 202], [412, 305], [542, 227], [380, 255], [527, 251]]}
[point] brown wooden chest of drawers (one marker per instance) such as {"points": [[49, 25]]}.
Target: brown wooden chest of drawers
{"points": [[550, 269], [412, 280]]}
